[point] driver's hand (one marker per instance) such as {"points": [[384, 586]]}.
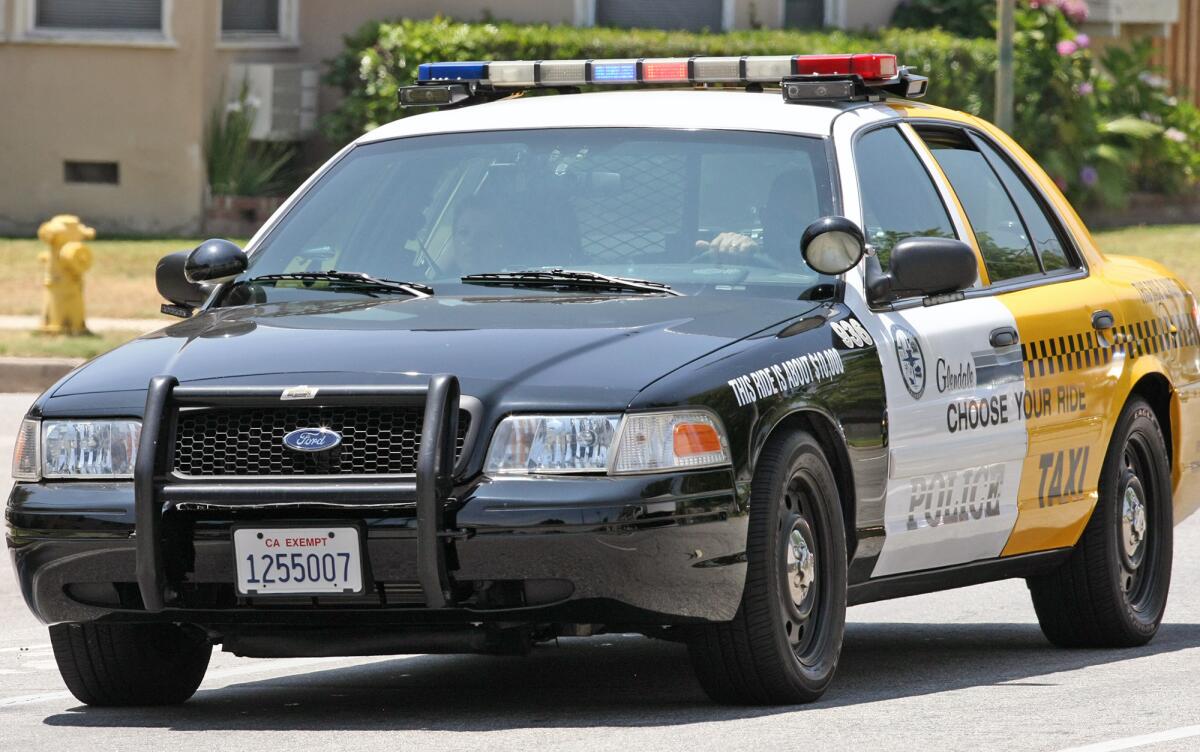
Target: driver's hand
{"points": [[728, 244]]}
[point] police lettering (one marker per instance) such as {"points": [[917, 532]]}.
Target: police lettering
{"points": [[957, 496], [969, 414]]}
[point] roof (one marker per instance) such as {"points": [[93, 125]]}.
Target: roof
{"points": [[720, 109]]}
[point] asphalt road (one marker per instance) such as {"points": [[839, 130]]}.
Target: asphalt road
{"points": [[967, 669]]}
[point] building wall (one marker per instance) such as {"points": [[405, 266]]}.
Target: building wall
{"points": [[145, 105], [136, 106], [1179, 52]]}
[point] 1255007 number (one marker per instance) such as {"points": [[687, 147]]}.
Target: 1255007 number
{"points": [[298, 567]]}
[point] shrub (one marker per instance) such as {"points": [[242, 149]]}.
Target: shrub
{"points": [[237, 165]]}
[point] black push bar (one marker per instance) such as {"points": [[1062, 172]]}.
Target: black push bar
{"points": [[436, 459]]}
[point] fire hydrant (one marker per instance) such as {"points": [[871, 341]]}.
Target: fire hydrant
{"points": [[66, 262]]}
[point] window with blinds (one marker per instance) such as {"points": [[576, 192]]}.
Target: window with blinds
{"points": [[696, 15], [250, 17], [107, 15]]}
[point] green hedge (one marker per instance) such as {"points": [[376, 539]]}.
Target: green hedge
{"points": [[382, 56], [1101, 125]]}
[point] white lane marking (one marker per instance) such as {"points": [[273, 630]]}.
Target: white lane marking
{"points": [[218, 675], [1130, 742]]}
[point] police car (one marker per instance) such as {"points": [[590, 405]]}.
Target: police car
{"points": [[709, 361]]}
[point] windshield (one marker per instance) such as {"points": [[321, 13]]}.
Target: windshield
{"points": [[705, 212]]}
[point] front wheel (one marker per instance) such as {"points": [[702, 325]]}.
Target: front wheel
{"points": [[130, 664], [783, 645], [1112, 591]]}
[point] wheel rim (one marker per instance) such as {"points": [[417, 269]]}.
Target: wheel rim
{"points": [[1137, 523], [803, 578]]}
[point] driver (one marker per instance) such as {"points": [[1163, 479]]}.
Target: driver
{"points": [[790, 203], [481, 237]]}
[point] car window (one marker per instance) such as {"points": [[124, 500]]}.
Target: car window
{"points": [[645, 203], [898, 196], [1047, 242], [1003, 241]]}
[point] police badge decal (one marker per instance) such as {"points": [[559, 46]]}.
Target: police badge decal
{"points": [[912, 361]]}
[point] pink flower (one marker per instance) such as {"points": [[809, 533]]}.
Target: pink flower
{"points": [[1176, 135], [1088, 176], [1083, 40], [1076, 10], [1066, 48], [1085, 88]]}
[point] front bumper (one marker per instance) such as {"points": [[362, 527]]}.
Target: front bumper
{"points": [[654, 549]]}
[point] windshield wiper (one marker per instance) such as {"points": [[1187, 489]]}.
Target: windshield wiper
{"points": [[415, 289], [564, 279]]}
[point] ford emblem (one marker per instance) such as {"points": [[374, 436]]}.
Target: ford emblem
{"points": [[312, 439]]}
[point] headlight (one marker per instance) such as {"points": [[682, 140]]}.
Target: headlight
{"points": [[89, 448], [635, 443], [552, 444]]}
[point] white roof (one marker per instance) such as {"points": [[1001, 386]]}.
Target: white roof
{"points": [[720, 109]]}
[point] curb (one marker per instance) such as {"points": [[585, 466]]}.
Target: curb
{"points": [[33, 374]]}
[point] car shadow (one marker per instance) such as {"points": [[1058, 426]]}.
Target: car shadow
{"points": [[611, 681]]}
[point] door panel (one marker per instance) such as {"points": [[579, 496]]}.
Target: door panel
{"points": [[1071, 374], [956, 441]]}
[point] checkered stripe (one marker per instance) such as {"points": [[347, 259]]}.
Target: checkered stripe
{"points": [[1072, 352], [1157, 335]]}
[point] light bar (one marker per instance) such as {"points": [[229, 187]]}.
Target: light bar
{"points": [[872, 68]]}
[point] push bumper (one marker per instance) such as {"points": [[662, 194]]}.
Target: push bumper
{"points": [[653, 549]]}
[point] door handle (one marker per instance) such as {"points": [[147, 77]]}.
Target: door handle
{"points": [[1005, 336], [1102, 320]]}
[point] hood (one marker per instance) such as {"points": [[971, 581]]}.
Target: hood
{"points": [[540, 348]]}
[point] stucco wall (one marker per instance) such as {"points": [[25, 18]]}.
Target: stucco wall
{"points": [[135, 106]]}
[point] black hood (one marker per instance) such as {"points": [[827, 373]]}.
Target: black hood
{"points": [[538, 349]]}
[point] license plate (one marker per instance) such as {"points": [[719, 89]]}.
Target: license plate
{"points": [[298, 560]]}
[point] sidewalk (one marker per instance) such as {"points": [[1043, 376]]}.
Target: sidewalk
{"points": [[96, 324]]}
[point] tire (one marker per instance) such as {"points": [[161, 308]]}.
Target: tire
{"points": [[130, 664], [782, 646], [1112, 591]]}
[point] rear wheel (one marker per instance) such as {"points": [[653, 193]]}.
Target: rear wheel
{"points": [[783, 645], [1113, 590], [130, 664]]}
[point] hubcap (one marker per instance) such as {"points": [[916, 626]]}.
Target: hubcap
{"points": [[800, 566], [1133, 522]]}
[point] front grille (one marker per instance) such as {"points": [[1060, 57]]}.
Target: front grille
{"points": [[249, 442]]}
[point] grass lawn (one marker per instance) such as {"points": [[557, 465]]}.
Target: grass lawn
{"points": [[121, 281], [1176, 246], [28, 344]]}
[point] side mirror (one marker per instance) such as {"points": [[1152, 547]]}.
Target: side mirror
{"points": [[932, 266], [215, 261], [175, 287], [832, 245]]}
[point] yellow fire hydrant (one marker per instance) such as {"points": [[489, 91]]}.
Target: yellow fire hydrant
{"points": [[66, 262]]}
